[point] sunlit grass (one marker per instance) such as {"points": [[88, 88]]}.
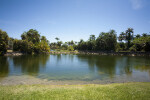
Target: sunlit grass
{"points": [[119, 91]]}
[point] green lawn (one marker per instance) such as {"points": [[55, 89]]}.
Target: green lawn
{"points": [[117, 91]]}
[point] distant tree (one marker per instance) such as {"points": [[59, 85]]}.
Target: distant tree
{"points": [[138, 36], [91, 43], [82, 45], [65, 46], [57, 38], [59, 43], [144, 34], [72, 42], [92, 37]]}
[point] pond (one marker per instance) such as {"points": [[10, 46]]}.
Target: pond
{"points": [[73, 69]]}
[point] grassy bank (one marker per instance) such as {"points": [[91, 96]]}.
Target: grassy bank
{"points": [[119, 91]]}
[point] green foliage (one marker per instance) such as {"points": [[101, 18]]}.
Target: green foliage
{"points": [[3, 42], [118, 48], [133, 48], [70, 48], [122, 45], [64, 46], [106, 41], [142, 43], [127, 36], [23, 46], [31, 35], [32, 42], [41, 47], [82, 45]]}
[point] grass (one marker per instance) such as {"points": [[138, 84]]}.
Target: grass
{"points": [[117, 91]]}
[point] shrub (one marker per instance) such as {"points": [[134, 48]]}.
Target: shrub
{"points": [[70, 48], [133, 48]]}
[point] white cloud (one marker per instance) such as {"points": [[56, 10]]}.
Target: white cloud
{"points": [[136, 4]]}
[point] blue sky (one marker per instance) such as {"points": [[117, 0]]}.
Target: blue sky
{"points": [[73, 19]]}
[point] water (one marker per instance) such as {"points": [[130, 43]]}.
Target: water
{"points": [[74, 69]]}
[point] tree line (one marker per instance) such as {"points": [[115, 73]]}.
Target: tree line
{"points": [[32, 43], [108, 41]]}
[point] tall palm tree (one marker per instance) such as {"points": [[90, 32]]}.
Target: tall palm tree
{"points": [[129, 36]]}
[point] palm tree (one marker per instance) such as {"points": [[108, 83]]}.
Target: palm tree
{"points": [[129, 36], [57, 38], [138, 36], [144, 34]]}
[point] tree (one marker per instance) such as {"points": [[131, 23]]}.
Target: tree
{"points": [[138, 36], [82, 45], [59, 43], [144, 34], [57, 38], [3, 42], [92, 37], [32, 42], [43, 38], [142, 43], [127, 36], [70, 48], [31, 35], [106, 41]]}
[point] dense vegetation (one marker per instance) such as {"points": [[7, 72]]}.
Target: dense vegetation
{"points": [[31, 42], [3, 42], [119, 91], [108, 41]]}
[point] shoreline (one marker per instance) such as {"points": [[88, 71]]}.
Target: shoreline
{"points": [[86, 53], [103, 53], [30, 80]]}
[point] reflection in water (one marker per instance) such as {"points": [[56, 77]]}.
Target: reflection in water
{"points": [[30, 64], [76, 67], [116, 65], [105, 64], [4, 67], [110, 65]]}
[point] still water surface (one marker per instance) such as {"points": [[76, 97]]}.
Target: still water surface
{"points": [[87, 68]]}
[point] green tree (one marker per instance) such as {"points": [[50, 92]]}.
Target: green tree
{"points": [[92, 37], [32, 42], [106, 41], [57, 38], [127, 36], [142, 44], [3, 42], [31, 35]]}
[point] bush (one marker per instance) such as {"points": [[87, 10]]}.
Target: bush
{"points": [[70, 48], [133, 48], [118, 48]]}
